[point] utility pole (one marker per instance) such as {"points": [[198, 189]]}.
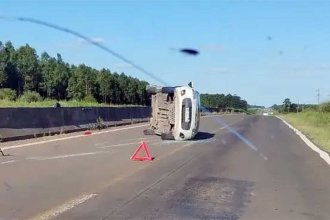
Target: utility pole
{"points": [[297, 106], [318, 96]]}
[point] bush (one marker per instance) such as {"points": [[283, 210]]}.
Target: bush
{"points": [[30, 96], [90, 98], [100, 123], [325, 107], [8, 94]]}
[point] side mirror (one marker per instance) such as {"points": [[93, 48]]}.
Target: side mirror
{"points": [[191, 84]]}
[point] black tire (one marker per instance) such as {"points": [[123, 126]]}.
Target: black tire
{"points": [[149, 132], [168, 90], [167, 136], [153, 89]]}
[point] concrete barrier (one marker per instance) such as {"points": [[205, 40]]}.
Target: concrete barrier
{"points": [[19, 123]]}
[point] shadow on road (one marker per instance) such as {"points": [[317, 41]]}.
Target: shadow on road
{"points": [[203, 136]]}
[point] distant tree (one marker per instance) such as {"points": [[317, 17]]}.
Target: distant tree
{"points": [[103, 80], [8, 71], [124, 88], [76, 87], [27, 66], [277, 107], [47, 69], [132, 90], [256, 106], [23, 71], [286, 105], [61, 77], [3, 65], [223, 102], [293, 107], [142, 94]]}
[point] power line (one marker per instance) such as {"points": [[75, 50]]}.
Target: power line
{"points": [[77, 34]]}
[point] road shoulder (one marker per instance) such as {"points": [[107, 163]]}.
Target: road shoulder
{"points": [[324, 155]]}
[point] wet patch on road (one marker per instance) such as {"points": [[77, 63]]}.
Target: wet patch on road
{"points": [[211, 198]]}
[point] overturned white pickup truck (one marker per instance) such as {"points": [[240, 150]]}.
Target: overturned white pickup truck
{"points": [[175, 112]]}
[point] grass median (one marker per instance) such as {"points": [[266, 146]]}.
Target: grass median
{"points": [[314, 124]]}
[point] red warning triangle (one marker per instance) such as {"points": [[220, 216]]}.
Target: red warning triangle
{"points": [[146, 150]]}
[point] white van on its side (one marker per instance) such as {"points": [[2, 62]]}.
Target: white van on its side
{"points": [[175, 112]]}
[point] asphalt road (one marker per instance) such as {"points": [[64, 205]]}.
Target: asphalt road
{"points": [[240, 167]]}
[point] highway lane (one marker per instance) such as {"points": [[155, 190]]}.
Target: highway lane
{"points": [[256, 169]]}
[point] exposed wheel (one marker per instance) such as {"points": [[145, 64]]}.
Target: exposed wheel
{"points": [[168, 89], [153, 89], [167, 136], [149, 131]]}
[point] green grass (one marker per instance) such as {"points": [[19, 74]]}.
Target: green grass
{"points": [[50, 103], [315, 125]]}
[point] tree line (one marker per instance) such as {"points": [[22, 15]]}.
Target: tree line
{"points": [[23, 71], [222, 101], [287, 106]]}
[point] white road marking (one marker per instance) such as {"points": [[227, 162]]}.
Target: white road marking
{"points": [[324, 155], [263, 156], [121, 129], [100, 144], [143, 138], [67, 156], [52, 213], [6, 162], [124, 144], [131, 139], [55, 212], [70, 137]]}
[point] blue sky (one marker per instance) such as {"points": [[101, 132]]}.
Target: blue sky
{"points": [[263, 51]]}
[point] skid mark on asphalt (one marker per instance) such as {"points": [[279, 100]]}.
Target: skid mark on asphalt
{"points": [[52, 213]]}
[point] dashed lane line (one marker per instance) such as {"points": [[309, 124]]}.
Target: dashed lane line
{"points": [[54, 212]]}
